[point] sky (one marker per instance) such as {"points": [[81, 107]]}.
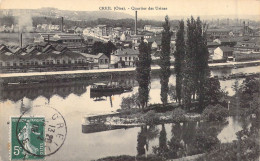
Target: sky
{"points": [[174, 7]]}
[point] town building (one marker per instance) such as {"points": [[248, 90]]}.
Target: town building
{"points": [[124, 57], [100, 61], [153, 29], [74, 42], [222, 54], [43, 58]]}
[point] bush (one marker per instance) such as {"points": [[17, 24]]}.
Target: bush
{"points": [[205, 142], [151, 117], [130, 102], [178, 114], [215, 113]]}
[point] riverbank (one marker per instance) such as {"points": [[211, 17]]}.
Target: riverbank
{"points": [[97, 73]]}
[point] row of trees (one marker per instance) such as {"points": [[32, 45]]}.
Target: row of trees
{"points": [[193, 82], [191, 63]]}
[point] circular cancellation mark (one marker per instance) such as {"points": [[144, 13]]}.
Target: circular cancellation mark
{"points": [[41, 132]]}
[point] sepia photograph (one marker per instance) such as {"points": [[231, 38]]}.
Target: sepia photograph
{"points": [[130, 80]]}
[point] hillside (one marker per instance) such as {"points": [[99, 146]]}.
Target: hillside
{"points": [[70, 15]]}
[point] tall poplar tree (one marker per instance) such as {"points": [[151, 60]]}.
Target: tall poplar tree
{"points": [[196, 71], [202, 68], [143, 73], [189, 71], [179, 60], [165, 61]]}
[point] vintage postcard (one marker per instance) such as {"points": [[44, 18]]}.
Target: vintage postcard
{"points": [[130, 80]]}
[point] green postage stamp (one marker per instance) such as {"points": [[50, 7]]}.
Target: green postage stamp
{"points": [[27, 138]]}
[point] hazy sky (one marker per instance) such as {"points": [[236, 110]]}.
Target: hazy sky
{"points": [[174, 7]]}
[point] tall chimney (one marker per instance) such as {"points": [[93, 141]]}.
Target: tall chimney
{"points": [[21, 39], [244, 27], [135, 22], [228, 21], [61, 24], [48, 38]]}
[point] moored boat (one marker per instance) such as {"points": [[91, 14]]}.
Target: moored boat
{"points": [[102, 87]]}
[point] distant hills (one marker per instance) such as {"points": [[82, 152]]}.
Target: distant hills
{"points": [[69, 15]]}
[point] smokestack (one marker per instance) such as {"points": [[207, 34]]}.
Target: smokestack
{"points": [[61, 24], [135, 22], [244, 27], [48, 38], [21, 39]]}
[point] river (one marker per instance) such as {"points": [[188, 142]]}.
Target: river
{"points": [[73, 100]]}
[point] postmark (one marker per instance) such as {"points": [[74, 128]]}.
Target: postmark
{"points": [[37, 133]]}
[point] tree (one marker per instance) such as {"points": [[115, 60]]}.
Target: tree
{"points": [[196, 70], [201, 61], [109, 48], [165, 61], [143, 71], [179, 60], [99, 47], [212, 91], [249, 88], [189, 71]]}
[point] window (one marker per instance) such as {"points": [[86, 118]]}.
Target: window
{"points": [[14, 64], [106, 61], [120, 58], [43, 62], [7, 63], [101, 61], [69, 61], [21, 63], [125, 58], [129, 58], [58, 61], [47, 62], [27, 62], [76, 61]]}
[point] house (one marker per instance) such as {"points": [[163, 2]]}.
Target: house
{"points": [[136, 38], [153, 29], [147, 34], [100, 61], [101, 30], [218, 33], [226, 42], [223, 53], [128, 56]]}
